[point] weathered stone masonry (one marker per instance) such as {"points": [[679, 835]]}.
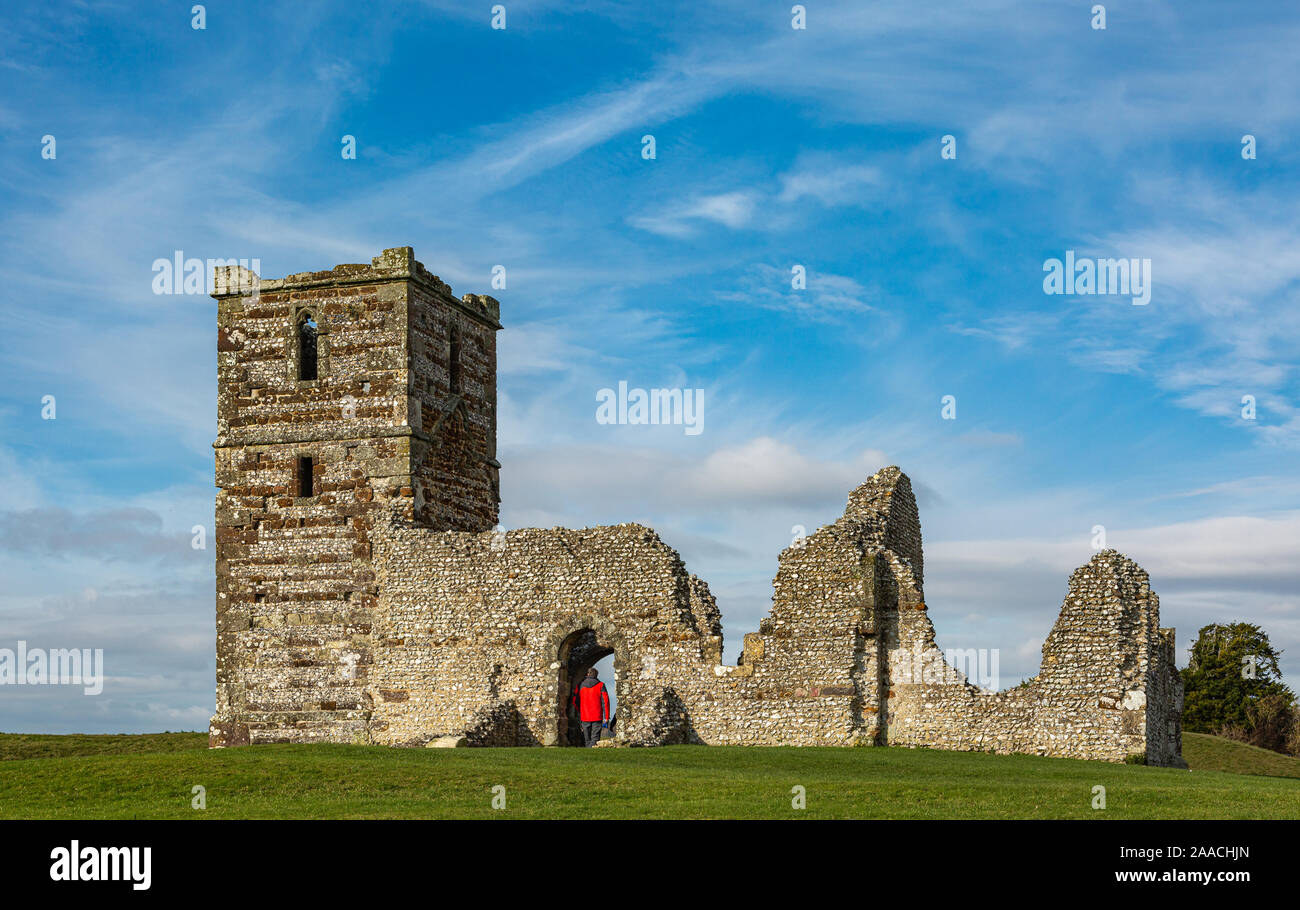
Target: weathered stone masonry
{"points": [[389, 431], [382, 608]]}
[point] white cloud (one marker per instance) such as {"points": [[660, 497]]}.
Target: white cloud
{"points": [[830, 181], [765, 470], [827, 297], [609, 483], [733, 210]]}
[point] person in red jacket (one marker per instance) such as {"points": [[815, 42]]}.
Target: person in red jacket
{"points": [[592, 701]]}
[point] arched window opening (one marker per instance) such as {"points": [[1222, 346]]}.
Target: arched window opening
{"points": [[307, 342], [453, 363]]}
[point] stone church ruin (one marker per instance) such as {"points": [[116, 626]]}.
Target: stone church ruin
{"points": [[363, 595]]}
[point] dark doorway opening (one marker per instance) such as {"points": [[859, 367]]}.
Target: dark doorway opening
{"points": [[578, 653]]}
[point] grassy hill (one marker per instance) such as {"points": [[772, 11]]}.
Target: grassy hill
{"points": [[1214, 753], [153, 776]]}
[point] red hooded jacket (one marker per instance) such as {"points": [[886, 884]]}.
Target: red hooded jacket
{"points": [[592, 699]]}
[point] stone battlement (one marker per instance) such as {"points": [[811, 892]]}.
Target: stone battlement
{"points": [[397, 264]]}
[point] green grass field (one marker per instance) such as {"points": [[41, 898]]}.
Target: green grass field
{"points": [[152, 777]]}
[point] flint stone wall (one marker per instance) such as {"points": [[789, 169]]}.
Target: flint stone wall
{"points": [[846, 657]]}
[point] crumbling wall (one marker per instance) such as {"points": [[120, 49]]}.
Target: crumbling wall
{"points": [[381, 608], [466, 619], [808, 675], [1090, 699], [1164, 726], [847, 655]]}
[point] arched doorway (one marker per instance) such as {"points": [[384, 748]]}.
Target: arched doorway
{"points": [[580, 651]]}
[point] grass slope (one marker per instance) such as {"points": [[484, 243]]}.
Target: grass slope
{"points": [[46, 745], [1204, 752], [153, 776]]}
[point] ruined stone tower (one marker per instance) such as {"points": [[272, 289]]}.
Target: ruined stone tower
{"points": [[342, 395]]}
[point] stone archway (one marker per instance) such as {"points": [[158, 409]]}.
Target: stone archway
{"points": [[578, 653], [573, 647]]}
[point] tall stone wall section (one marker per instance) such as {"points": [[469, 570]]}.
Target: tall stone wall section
{"points": [[456, 474], [382, 608]]}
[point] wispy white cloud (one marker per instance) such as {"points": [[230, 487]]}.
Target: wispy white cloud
{"points": [[734, 210], [830, 181], [824, 296]]}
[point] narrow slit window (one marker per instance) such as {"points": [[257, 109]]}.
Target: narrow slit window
{"points": [[307, 347], [306, 485], [453, 363]]}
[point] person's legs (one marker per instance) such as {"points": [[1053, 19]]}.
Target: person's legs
{"points": [[591, 732]]}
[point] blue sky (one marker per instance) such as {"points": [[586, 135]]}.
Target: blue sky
{"points": [[775, 147]]}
